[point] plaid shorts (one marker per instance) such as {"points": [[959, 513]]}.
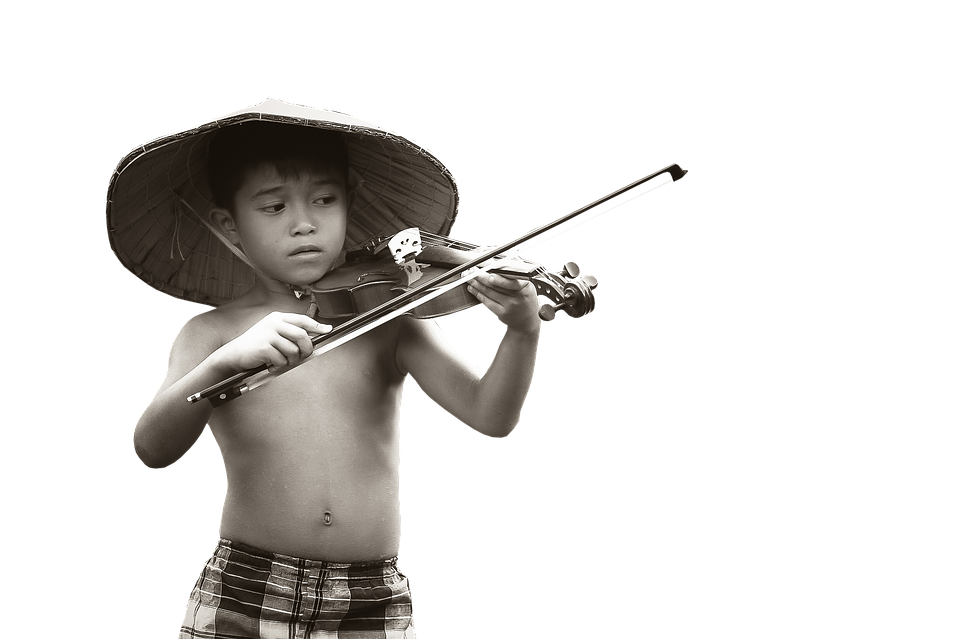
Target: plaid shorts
{"points": [[245, 592]]}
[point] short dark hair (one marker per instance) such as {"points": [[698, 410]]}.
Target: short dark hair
{"points": [[289, 148]]}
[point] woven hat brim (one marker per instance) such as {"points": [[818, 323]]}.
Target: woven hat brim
{"points": [[159, 189]]}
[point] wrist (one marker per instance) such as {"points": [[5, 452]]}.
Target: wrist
{"points": [[526, 332], [223, 362]]}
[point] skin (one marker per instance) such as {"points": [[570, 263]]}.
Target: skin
{"points": [[312, 458]]}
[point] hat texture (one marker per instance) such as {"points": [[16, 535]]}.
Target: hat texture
{"points": [[158, 201]]}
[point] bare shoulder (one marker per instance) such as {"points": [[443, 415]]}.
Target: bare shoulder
{"points": [[204, 329], [199, 337], [220, 325]]}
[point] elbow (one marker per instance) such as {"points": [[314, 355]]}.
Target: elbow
{"points": [[497, 429], [150, 458], [158, 446], [501, 422]]}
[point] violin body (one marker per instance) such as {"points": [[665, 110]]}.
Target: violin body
{"points": [[369, 279]]}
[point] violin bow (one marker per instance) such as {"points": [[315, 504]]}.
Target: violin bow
{"points": [[247, 380]]}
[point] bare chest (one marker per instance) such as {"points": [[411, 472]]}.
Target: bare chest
{"points": [[334, 410]]}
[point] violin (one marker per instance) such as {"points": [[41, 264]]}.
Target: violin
{"points": [[424, 277], [381, 270]]}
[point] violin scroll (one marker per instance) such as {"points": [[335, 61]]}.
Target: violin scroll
{"points": [[571, 293]]}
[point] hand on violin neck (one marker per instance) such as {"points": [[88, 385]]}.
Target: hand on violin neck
{"points": [[513, 301]]}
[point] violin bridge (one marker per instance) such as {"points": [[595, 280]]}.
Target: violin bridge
{"points": [[405, 246]]}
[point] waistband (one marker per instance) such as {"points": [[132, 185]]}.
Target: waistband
{"points": [[258, 555]]}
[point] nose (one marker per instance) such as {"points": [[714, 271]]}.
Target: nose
{"points": [[300, 221]]}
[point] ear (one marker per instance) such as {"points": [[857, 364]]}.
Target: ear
{"points": [[222, 220], [350, 195]]}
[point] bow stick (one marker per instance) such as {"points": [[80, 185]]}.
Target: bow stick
{"points": [[245, 381]]}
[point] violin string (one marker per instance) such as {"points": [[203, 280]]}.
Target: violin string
{"points": [[440, 240]]}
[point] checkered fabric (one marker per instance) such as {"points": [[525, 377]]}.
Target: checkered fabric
{"points": [[248, 593]]}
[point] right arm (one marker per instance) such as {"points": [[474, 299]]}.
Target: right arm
{"points": [[170, 425]]}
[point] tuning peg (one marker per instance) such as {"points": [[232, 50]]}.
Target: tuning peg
{"points": [[548, 311], [571, 270], [590, 281]]}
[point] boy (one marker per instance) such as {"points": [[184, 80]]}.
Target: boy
{"points": [[310, 525]]}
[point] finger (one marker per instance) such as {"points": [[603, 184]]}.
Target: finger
{"points": [[487, 296], [275, 359], [299, 338], [494, 293], [319, 328], [502, 282], [307, 323], [287, 347], [304, 346]]}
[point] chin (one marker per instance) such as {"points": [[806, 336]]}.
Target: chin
{"points": [[306, 279]]}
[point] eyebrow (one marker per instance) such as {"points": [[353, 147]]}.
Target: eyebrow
{"points": [[270, 190]]}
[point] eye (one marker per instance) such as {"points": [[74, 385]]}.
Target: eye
{"points": [[273, 209], [325, 200]]}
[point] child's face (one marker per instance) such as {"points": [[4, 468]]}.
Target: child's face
{"points": [[291, 228]]}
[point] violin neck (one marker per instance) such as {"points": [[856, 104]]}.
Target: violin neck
{"points": [[449, 257], [516, 268]]}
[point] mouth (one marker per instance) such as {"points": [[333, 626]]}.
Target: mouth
{"points": [[307, 250]]}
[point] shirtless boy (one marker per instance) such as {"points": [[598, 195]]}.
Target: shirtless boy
{"points": [[311, 517]]}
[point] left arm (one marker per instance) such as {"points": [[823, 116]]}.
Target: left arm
{"points": [[489, 403]]}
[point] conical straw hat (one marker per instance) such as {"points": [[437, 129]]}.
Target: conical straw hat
{"points": [[158, 201]]}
